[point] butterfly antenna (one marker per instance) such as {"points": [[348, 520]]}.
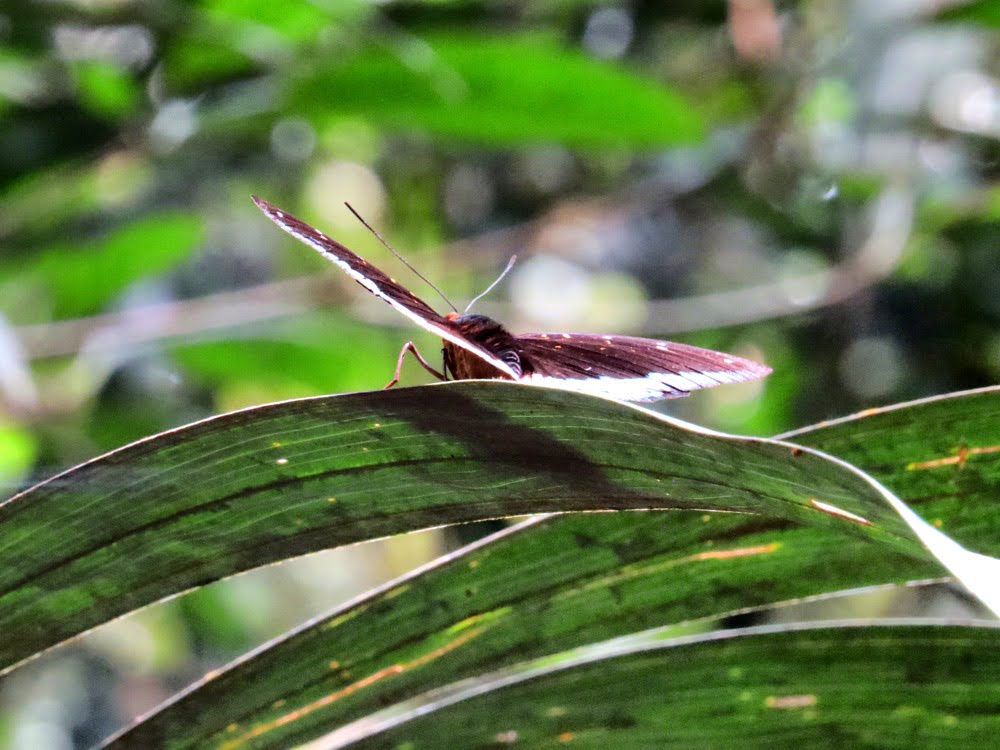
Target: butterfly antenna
{"points": [[404, 260], [510, 265]]}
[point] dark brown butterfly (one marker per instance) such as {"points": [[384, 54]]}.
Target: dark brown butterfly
{"points": [[621, 367]]}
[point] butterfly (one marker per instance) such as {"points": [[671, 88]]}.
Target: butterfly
{"points": [[626, 368]]}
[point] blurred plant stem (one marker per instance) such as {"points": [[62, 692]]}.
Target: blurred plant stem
{"points": [[871, 261]]}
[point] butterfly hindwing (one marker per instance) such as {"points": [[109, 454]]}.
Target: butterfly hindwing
{"points": [[378, 283], [626, 367]]}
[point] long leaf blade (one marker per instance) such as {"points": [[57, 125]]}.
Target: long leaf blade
{"points": [[228, 494]]}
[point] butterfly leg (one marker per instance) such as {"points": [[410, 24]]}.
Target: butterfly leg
{"points": [[444, 363], [411, 347]]}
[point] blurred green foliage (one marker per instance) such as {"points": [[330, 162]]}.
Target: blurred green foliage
{"points": [[83, 278], [813, 183], [498, 91]]}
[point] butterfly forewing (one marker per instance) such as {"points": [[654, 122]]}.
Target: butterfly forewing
{"points": [[377, 282], [628, 368]]}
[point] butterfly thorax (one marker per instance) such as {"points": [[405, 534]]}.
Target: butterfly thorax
{"points": [[488, 334]]}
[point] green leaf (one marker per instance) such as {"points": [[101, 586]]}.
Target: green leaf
{"points": [[82, 279], [242, 490], [985, 12], [569, 581], [499, 90], [811, 685], [47, 197], [106, 89], [296, 19], [308, 363], [194, 62], [227, 39], [942, 454], [17, 453], [524, 593]]}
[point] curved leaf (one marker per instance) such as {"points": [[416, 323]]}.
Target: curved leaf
{"points": [[941, 453]]}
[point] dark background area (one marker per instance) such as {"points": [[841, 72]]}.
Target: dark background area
{"points": [[811, 184]]}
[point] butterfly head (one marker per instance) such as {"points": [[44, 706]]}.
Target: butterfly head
{"points": [[476, 326]]}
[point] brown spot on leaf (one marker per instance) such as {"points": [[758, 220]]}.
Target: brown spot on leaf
{"points": [[833, 510], [790, 701], [960, 457], [724, 554]]}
